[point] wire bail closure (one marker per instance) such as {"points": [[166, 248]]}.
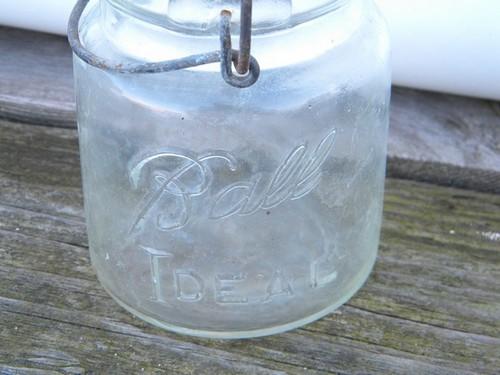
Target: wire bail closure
{"points": [[246, 66]]}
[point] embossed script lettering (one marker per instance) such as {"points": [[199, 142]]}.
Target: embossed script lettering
{"points": [[181, 186]]}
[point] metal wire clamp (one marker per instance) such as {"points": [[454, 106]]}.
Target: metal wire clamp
{"points": [[246, 65]]}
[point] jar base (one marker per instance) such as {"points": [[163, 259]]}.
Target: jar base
{"points": [[234, 335]]}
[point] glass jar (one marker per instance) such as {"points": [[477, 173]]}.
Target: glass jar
{"points": [[224, 212]]}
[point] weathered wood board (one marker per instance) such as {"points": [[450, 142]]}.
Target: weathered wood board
{"points": [[432, 305], [443, 139], [36, 78]]}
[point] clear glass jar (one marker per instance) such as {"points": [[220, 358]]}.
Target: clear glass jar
{"points": [[223, 212]]}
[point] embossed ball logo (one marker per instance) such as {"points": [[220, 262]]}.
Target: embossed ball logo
{"points": [[174, 179], [181, 194]]}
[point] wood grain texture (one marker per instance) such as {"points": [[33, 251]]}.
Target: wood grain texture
{"points": [[431, 306], [36, 78], [443, 139]]}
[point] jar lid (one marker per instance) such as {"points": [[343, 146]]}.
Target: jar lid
{"points": [[202, 16]]}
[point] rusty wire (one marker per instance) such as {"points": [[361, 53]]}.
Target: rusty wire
{"points": [[246, 65]]}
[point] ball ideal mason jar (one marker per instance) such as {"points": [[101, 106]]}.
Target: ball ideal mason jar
{"points": [[232, 212]]}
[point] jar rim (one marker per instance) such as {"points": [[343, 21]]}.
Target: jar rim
{"points": [[300, 11]]}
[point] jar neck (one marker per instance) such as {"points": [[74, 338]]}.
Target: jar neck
{"points": [[117, 35], [200, 17]]}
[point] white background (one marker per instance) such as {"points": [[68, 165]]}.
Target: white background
{"points": [[443, 45]]}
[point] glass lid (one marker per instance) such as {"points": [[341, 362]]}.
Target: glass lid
{"points": [[201, 16]]}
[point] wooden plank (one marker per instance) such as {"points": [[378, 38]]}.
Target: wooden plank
{"points": [[443, 139], [117, 348], [44, 339], [36, 78], [29, 159], [432, 305]]}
